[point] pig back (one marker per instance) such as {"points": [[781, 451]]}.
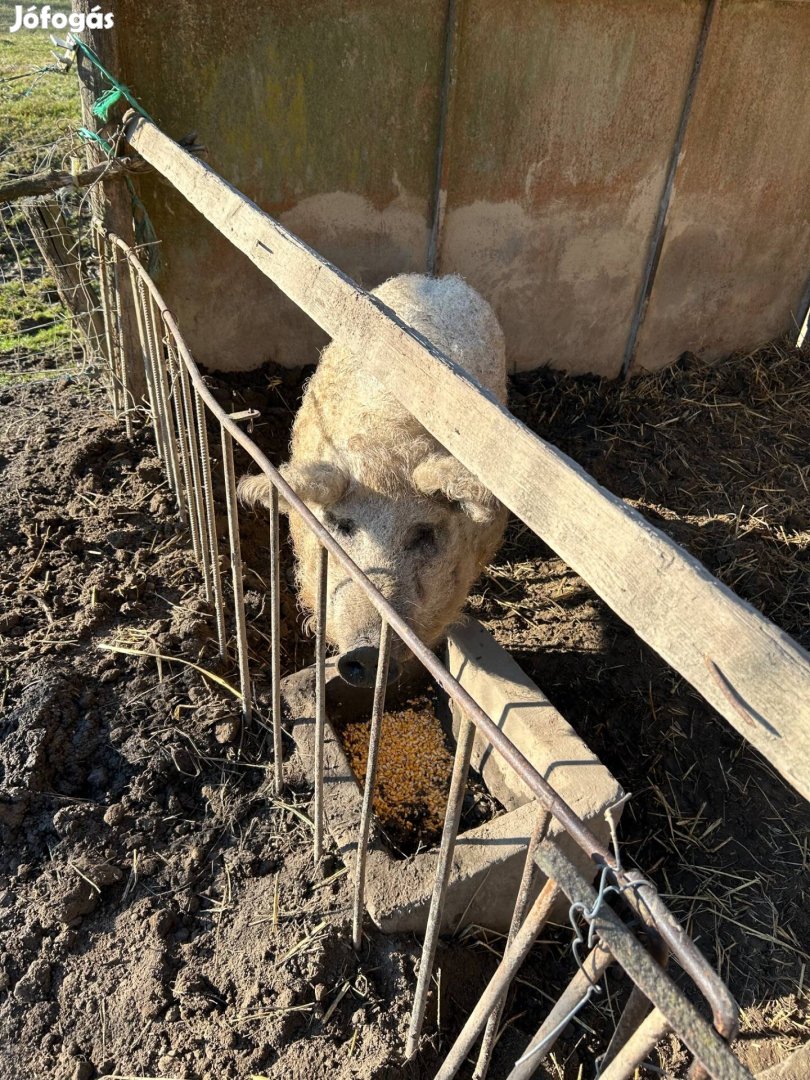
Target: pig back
{"points": [[346, 416]]}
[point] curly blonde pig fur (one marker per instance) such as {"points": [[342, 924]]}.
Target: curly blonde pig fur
{"points": [[413, 518]]}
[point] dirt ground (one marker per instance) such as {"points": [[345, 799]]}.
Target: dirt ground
{"points": [[159, 914]]}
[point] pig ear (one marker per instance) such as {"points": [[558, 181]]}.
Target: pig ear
{"points": [[315, 482], [441, 474], [318, 482], [254, 490]]}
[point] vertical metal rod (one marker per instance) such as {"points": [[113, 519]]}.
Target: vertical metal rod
{"points": [[197, 506], [154, 364], [104, 282], [659, 228], [137, 299], [371, 777], [493, 995], [120, 374], [593, 968], [455, 802], [803, 320], [644, 1039], [521, 901], [236, 571], [151, 368], [210, 514], [115, 334], [170, 435], [183, 442], [275, 639], [320, 698]]}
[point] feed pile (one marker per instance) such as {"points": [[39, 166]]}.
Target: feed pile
{"points": [[413, 770]]}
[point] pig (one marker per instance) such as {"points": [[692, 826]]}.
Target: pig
{"points": [[417, 522]]}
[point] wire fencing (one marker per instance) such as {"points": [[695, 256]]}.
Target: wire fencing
{"points": [[622, 923]]}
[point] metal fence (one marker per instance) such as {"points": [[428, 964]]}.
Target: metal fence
{"points": [[637, 933]]}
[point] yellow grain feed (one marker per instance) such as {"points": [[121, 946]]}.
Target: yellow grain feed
{"points": [[413, 770]]}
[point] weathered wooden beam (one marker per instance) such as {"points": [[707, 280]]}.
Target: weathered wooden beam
{"points": [[59, 249], [753, 674], [44, 183]]}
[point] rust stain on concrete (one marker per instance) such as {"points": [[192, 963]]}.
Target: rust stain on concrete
{"points": [[312, 108], [735, 258], [564, 116]]}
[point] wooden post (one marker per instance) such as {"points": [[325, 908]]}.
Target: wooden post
{"points": [[753, 673], [111, 200], [57, 246]]}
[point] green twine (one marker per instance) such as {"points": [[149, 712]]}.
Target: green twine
{"points": [[108, 100], [145, 235], [111, 97], [93, 136]]}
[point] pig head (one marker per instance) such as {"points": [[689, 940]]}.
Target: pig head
{"points": [[422, 547]]}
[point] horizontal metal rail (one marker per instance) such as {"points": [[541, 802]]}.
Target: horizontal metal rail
{"points": [[174, 383]]}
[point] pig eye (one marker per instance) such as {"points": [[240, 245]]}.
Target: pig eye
{"points": [[342, 526], [422, 539]]}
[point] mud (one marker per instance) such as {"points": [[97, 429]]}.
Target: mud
{"points": [[159, 913]]}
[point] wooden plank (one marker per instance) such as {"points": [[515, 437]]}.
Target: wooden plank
{"points": [[753, 674]]}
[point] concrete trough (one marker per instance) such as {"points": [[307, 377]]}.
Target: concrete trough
{"points": [[488, 860]]}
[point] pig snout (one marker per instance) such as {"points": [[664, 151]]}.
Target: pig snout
{"points": [[358, 667]]}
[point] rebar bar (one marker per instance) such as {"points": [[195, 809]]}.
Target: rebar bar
{"points": [[137, 296], [455, 802], [275, 640], [183, 440], [644, 1039], [236, 575], [539, 831], [633, 1014], [491, 1000], [163, 408], [320, 699], [588, 975], [162, 362], [119, 369], [371, 777], [210, 514], [198, 508], [100, 241]]}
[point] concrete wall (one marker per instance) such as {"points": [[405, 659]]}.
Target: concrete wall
{"points": [[559, 118], [736, 258]]}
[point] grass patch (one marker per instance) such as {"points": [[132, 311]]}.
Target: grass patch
{"points": [[39, 115], [32, 318]]}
